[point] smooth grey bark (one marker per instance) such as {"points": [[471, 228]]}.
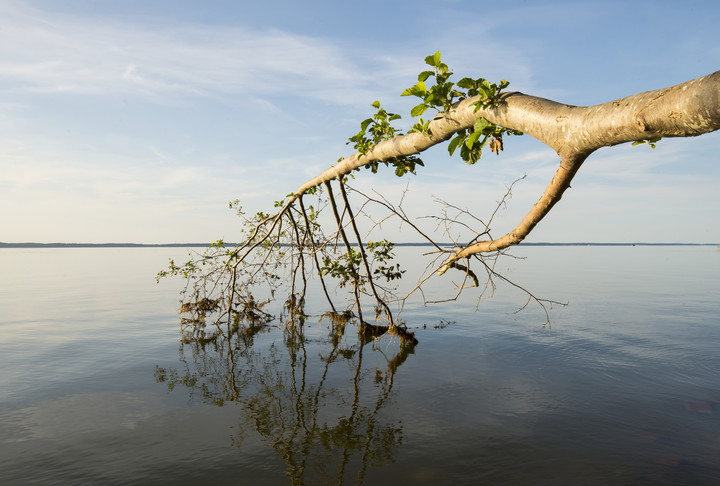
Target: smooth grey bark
{"points": [[573, 132]]}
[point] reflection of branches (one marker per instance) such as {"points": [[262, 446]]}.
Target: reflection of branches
{"points": [[323, 432]]}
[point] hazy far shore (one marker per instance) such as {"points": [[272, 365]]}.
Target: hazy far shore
{"points": [[196, 245]]}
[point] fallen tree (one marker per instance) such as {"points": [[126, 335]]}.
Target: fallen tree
{"points": [[472, 115]]}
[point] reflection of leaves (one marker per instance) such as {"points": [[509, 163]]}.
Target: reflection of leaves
{"points": [[347, 353], [286, 396], [342, 435]]}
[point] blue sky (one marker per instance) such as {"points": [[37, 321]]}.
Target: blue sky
{"points": [[137, 121]]}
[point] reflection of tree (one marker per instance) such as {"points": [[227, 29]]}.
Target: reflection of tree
{"points": [[316, 401]]}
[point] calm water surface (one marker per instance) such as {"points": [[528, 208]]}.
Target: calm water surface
{"points": [[98, 388]]}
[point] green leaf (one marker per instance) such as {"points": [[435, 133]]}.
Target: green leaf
{"points": [[466, 83], [472, 139], [424, 75], [433, 60], [455, 142], [394, 117], [436, 58], [470, 156], [364, 124], [457, 94], [418, 90], [481, 124], [487, 91], [418, 110], [376, 104]]}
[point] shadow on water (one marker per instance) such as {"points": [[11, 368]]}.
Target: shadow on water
{"points": [[314, 394]]}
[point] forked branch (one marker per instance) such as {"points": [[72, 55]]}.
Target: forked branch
{"points": [[473, 114]]}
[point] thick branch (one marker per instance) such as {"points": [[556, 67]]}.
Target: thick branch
{"points": [[688, 109], [554, 191], [341, 229], [311, 238], [685, 110], [363, 255]]}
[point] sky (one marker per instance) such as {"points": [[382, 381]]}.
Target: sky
{"points": [[138, 121]]}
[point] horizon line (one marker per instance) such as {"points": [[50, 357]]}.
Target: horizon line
{"points": [[231, 244]]}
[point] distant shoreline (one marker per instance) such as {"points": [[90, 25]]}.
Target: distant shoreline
{"points": [[202, 245]]}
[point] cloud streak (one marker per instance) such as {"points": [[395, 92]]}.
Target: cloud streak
{"points": [[45, 53]]}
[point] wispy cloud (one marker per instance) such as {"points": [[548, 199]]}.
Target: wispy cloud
{"points": [[50, 52], [43, 52]]}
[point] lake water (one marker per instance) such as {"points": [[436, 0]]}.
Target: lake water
{"points": [[98, 388]]}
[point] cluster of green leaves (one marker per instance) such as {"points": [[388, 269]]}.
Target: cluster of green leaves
{"points": [[191, 266], [185, 269], [439, 96], [472, 141], [345, 268], [403, 165], [382, 253], [235, 205], [374, 130], [377, 129], [443, 94]]}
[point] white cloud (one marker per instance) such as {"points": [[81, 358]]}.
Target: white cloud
{"points": [[49, 52], [40, 52]]}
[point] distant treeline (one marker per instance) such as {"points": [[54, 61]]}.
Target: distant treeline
{"points": [[100, 245], [200, 245]]}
